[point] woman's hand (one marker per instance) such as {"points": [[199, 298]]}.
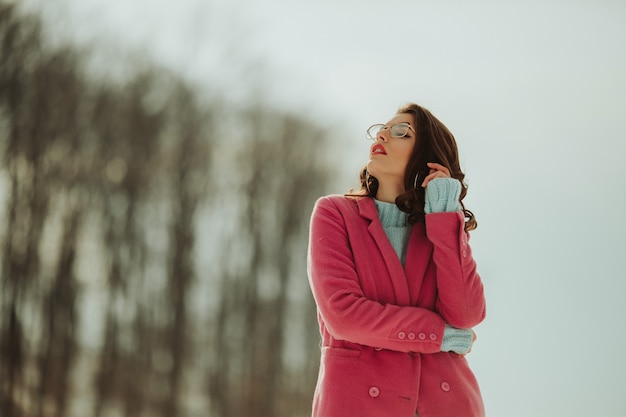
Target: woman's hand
{"points": [[473, 340], [436, 171]]}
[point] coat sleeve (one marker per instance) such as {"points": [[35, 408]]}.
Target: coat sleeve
{"points": [[346, 313], [460, 294]]}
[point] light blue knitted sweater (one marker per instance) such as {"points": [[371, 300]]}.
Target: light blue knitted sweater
{"points": [[442, 195]]}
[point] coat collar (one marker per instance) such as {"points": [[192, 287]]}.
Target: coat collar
{"points": [[367, 210]]}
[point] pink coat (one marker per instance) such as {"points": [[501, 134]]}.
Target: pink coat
{"points": [[382, 324]]}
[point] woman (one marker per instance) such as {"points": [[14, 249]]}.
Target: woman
{"points": [[395, 283]]}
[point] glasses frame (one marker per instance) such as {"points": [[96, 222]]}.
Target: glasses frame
{"points": [[368, 136]]}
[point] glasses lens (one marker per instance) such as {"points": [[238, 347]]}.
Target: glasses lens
{"points": [[399, 130], [373, 130]]}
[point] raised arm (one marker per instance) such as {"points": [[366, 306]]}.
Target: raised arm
{"points": [[460, 299]]}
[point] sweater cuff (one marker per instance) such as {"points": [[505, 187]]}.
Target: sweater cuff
{"points": [[442, 196], [457, 340]]}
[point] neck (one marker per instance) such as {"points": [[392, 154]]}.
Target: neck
{"points": [[388, 191]]}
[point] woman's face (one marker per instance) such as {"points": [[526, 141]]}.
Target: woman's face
{"points": [[389, 156]]}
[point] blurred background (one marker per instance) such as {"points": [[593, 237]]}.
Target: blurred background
{"points": [[160, 161]]}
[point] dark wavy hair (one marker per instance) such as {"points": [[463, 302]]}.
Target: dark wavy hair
{"points": [[434, 143]]}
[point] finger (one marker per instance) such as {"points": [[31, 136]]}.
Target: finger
{"points": [[438, 167], [429, 178], [435, 165], [432, 176]]}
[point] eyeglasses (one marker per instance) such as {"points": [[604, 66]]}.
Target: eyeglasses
{"points": [[399, 130]]}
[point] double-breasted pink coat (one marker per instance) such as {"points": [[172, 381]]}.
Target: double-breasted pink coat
{"points": [[382, 323]]}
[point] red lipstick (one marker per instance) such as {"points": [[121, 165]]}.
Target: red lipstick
{"points": [[378, 149]]}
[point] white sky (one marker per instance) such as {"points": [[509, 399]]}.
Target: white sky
{"points": [[535, 93]]}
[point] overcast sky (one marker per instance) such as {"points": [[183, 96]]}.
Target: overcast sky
{"points": [[535, 93]]}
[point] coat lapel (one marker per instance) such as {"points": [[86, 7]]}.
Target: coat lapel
{"points": [[367, 209]]}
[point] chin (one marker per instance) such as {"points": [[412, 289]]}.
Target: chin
{"points": [[372, 167]]}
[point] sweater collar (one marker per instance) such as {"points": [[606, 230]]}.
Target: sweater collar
{"points": [[367, 209], [390, 215]]}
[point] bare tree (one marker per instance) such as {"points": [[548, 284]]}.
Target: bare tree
{"points": [[128, 139], [39, 101], [19, 45], [136, 169], [282, 156], [190, 160]]}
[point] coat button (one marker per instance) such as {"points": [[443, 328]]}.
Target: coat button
{"points": [[374, 392], [411, 336], [378, 349], [401, 335], [433, 336], [422, 336], [445, 386], [465, 254]]}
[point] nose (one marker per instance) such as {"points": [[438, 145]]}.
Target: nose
{"points": [[383, 135]]}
